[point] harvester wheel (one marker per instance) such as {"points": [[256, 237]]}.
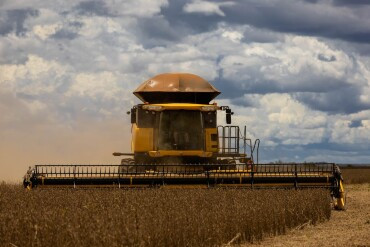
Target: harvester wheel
{"points": [[227, 164], [27, 184], [131, 167], [127, 165]]}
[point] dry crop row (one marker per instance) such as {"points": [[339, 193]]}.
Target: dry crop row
{"points": [[153, 217], [353, 175]]}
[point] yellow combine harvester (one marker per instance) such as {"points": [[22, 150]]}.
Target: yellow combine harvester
{"points": [[176, 141]]}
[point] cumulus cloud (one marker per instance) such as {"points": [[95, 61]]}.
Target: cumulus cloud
{"points": [[32, 78], [280, 119], [288, 129]]}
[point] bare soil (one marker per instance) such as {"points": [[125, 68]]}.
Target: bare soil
{"points": [[345, 228]]}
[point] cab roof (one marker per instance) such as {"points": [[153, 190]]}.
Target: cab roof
{"points": [[176, 88]]}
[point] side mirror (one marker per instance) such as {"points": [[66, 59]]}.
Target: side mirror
{"points": [[133, 115], [228, 118]]}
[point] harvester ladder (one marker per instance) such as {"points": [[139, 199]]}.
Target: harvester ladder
{"points": [[229, 139], [233, 143]]}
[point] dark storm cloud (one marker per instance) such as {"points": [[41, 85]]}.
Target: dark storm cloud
{"points": [[320, 19], [75, 24], [325, 58], [355, 124], [299, 18], [188, 22], [325, 145], [344, 101], [69, 31], [232, 89], [13, 55], [311, 84], [311, 1], [13, 20], [235, 89], [351, 2], [321, 93], [156, 31], [261, 36], [360, 48], [64, 34], [243, 101], [93, 8], [303, 83], [229, 88], [347, 3]]}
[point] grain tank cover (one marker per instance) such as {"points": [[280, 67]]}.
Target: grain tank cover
{"points": [[176, 88]]}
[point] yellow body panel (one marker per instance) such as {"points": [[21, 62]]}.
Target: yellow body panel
{"points": [[142, 139], [340, 203], [211, 146], [162, 153]]}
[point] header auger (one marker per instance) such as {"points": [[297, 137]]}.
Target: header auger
{"points": [[176, 142]]}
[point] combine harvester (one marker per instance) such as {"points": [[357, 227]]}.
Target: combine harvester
{"points": [[176, 142]]}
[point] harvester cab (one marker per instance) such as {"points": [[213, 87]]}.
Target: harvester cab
{"points": [[177, 124], [182, 133], [176, 141]]}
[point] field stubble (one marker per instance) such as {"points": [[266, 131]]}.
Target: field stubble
{"points": [[353, 175], [345, 228], [155, 217]]}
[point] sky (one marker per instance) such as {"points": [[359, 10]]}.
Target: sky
{"points": [[296, 73]]}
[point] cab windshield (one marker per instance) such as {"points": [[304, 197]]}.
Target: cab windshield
{"points": [[180, 130]]}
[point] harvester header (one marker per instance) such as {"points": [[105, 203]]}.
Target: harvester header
{"points": [[177, 141]]}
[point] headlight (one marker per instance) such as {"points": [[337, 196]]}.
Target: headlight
{"points": [[209, 108], [152, 107]]}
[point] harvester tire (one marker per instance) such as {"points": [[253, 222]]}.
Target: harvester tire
{"points": [[131, 167]]}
